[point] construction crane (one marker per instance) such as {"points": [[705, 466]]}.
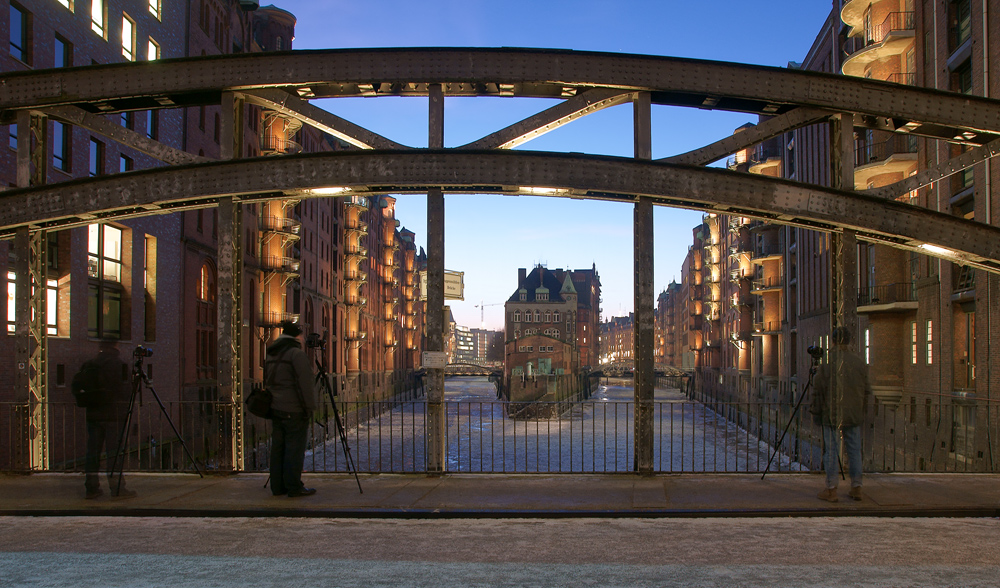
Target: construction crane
{"points": [[482, 312]]}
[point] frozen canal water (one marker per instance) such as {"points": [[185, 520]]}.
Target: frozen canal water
{"points": [[595, 435]]}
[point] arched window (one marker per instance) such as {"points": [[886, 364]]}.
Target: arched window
{"points": [[555, 316], [206, 284], [538, 316], [517, 316], [548, 316], [527, 316]]}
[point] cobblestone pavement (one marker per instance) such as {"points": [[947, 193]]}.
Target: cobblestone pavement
{"points": [[261, 552]]}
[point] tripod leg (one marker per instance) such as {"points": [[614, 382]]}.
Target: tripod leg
{"points": [[122, 445], [163, 409], [785, 432]]}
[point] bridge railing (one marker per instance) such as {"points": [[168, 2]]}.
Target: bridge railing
{"points": [[583, 437]]}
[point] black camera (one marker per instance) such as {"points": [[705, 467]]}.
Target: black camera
{"points": [[815, 351], [315, 341], [141, 351]]}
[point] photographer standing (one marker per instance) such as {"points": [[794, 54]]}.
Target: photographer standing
{"points": [[288, 371], [105, 421], [841, 393]]}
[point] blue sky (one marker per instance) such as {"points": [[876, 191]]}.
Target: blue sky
{"points": [[488, 237]]}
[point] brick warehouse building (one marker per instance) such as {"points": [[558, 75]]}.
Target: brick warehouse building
{"points": [[928, 328], [561, 306], [153, 281]]}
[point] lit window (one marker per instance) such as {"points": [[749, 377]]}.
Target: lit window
{"points": [[154, 8], [868, 345], [66, 4], [51, 304], [128, 38], [97, 16], [152, 50], [913, 342], [104, 246], [930, 342], [104, 267]]}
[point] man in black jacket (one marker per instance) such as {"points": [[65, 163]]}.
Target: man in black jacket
{"points": [[288, 375], [105, 421]]}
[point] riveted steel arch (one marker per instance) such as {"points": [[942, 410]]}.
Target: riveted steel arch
{"points": [[573, 176]]}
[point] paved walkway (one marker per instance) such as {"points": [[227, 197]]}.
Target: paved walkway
{"points": [[506, 496]]}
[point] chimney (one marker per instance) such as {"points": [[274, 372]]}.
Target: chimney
{"points": [[521, 275]]}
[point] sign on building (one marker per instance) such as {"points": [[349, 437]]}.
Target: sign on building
{"points": [[454, 285]]}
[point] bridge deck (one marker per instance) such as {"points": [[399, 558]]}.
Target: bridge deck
{"points": [[405, 496]]}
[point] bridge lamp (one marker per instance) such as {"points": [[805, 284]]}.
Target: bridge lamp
{"points": [[539, 191], [934, 249], [330, 191]]}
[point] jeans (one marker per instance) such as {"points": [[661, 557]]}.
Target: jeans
{"points": [[288, 451], [831, 454], [102, 436]]}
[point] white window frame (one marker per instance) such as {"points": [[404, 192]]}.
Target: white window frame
{"points": [[152, 50], [98, 18], [128, 38]]}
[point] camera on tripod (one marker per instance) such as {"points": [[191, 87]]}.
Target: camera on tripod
{"points": [[141, 351], [315, 341], [815, 351]]}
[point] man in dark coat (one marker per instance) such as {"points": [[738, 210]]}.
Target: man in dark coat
{"points": [[105, 422], [289, 377], [841, 392]]}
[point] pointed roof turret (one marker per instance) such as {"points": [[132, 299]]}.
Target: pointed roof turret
{"points": [[567, 287]]}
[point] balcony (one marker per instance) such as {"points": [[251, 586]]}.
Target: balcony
{"points": [[896, 155], [899, 297], [271, 145], [355, 251], [356, 202], [890, 38], [765, 159], [270, 320], [279, 264], [768, 284], [356, 226], [766, 252], [288, 227], [766, 328], [355, 336], [906, 79]]}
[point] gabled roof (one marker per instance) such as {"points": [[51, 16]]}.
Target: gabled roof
{"points": [[539, 277]]}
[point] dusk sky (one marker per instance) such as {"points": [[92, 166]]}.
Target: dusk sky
{"points": [[490, 237]]}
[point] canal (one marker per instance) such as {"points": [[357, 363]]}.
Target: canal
{"points": [[590, 436]]}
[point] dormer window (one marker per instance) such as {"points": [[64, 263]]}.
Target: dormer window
{"points": [[542, 296], [523, 294]]}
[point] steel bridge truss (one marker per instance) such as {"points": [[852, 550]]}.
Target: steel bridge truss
{"points": [[582, 82]]}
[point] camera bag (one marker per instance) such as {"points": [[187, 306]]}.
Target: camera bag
{"points": [[259, 400]]}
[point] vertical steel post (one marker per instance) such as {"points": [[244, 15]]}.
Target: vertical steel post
{"points": [[843, 245], [436, 448], [31, 341], [644, 336], [230, 282]]}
